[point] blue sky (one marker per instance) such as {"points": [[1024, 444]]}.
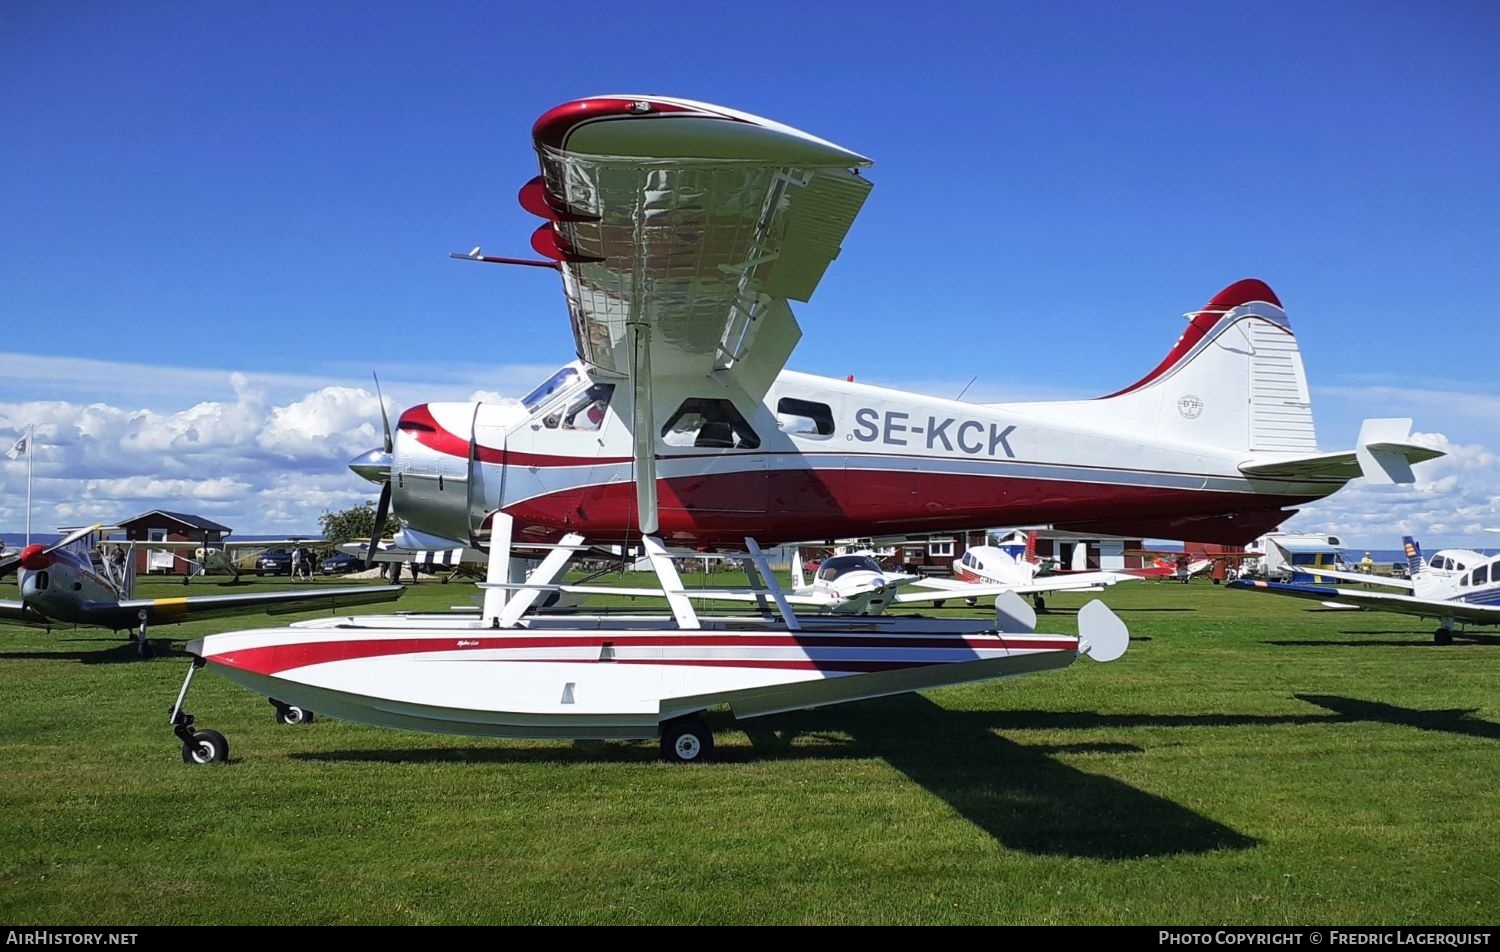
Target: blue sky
{"points": [[190, 191]]}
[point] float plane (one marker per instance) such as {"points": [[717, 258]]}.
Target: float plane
{"points": [[681, 232]]}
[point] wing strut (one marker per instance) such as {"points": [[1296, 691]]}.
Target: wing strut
{"points": [[644, 426]]}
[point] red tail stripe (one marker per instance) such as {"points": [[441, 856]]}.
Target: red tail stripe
{"points": [[1239, 293]]}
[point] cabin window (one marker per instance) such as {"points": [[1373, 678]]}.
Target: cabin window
{"points": [[1463, 582], [1437, 562], [840, 565], [709, 424], [1482, 575], [553, 385], [804, 417]]}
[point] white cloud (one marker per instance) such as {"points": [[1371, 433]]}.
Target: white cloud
{"points": [[1454, 499], [337, 421], [259, 451]]}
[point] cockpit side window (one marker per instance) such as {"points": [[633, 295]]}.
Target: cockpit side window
{"points": [[553, 385], [587, 411], [1482, 575], [709, 423]]}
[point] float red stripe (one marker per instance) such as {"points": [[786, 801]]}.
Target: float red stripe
{"points": [[270, 659]]}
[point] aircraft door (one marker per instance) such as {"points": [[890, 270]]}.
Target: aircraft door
{"points": [[712, 467]]}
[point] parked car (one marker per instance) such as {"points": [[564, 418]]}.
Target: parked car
{"points": [[274, 562], [341, 563], [1398, 570]]}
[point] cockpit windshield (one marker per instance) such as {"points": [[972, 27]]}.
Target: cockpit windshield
{"points": [[840, 565], [554, 384]]}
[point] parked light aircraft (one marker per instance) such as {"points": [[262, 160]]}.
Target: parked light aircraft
{"points": [[1457, 587], [681, 232], [217, 558], [998, 566], [1183, 566], [856, 584], [73, 583]]}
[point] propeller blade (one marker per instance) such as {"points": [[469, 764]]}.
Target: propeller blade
{"points": [[385, 421], [382, 512]]}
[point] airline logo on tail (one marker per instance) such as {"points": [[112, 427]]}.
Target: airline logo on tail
{"points": [[1413, 554]]}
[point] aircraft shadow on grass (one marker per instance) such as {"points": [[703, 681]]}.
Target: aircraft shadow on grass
{"points": [[1413, 639], [1019, 794], [115, 654]]}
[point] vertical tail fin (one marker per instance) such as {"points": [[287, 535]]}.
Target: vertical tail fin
{"points": [[799, 578], [1414, 564], [1426, 583], [1234, 380]]}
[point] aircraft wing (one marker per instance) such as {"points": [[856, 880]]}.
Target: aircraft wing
{"points": [[1382, 601], [162, 610], [20, 614], [809, 600], [1079, 581], [1304, 575], [681, 231]]}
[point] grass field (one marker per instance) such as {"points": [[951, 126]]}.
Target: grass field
{"points": [[1249, 761]]}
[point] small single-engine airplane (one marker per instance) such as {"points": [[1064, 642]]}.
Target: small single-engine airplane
{"points": [[682, 231], [997, 565], [1185, 565], [217, 558], [72, 582], [1457, 587]]}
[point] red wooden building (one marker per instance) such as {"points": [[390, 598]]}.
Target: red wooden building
{"points": [[159, 525]]}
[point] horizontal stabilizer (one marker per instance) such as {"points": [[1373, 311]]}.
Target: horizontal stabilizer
{"points": [[1384, 457]]}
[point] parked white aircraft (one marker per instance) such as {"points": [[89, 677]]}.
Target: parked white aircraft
{"points": [[1457, 587], [681, 232], [858, 585], [71, 582], [989, 565]]}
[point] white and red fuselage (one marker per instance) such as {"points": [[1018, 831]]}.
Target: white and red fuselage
{"points": [[835, 458]]}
